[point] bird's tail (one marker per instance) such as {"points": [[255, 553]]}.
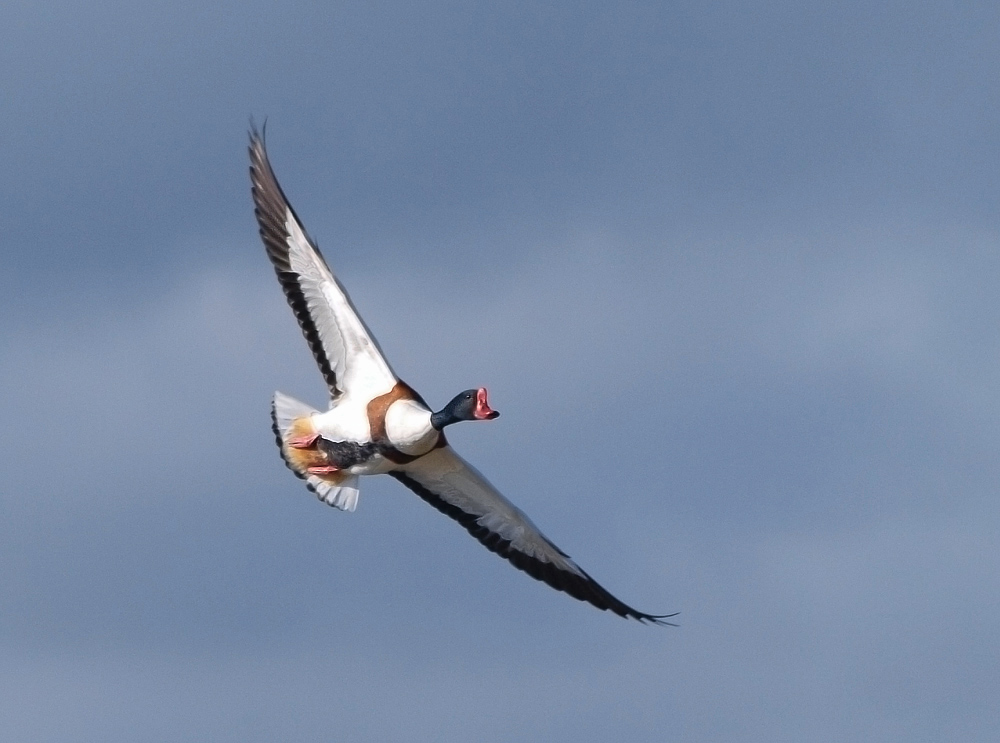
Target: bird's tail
{"points": [[293, 420]]}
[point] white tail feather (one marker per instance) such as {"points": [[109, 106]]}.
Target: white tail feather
{"points": [[343, 496], [285, 411]]}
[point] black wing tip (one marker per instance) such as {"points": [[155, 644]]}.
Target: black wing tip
{"points": [[627, 612], [257, 135], [659, 620], [608, 602]]}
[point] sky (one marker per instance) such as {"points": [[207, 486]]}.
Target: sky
{"points": [[728, 269]]}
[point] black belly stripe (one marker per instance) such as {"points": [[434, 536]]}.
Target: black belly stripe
{"points": [[344, 454]]}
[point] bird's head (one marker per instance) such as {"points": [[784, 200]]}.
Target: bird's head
{"points": [[470, 405]]}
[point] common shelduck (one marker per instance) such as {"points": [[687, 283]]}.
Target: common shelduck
{"points": [[377, 424]]}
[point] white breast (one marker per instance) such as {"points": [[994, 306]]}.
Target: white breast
{"points": [[408, 427]]}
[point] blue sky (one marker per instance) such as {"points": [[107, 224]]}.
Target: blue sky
{"points": [[728, 270]]}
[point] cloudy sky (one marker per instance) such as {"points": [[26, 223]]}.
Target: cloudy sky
{"points": [[729, 270]]}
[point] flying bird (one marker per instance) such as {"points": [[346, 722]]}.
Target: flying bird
{"points": [[377, 424]]}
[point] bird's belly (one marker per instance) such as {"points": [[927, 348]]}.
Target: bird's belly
{"points": [[345, 422], [352, 442], [346, 440]]}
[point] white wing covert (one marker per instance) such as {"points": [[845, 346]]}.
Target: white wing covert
{"points": [[345, 350]]}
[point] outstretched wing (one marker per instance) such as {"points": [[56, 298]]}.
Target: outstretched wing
{"points": [[454, 487], [347, 354]]}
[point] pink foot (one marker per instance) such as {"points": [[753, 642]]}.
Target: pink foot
{"points": [[324, 470], [302, 442]]}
